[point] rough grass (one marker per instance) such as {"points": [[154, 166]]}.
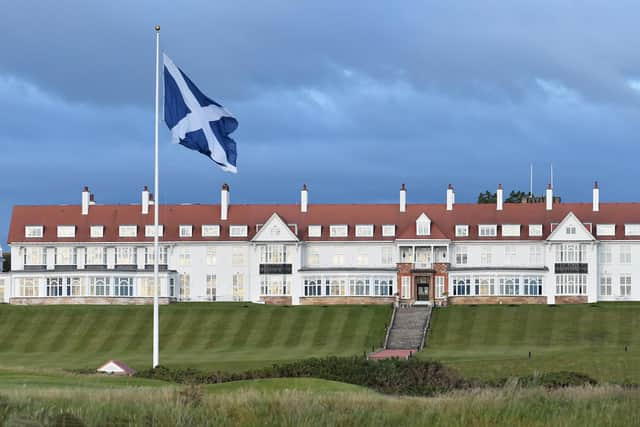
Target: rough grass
{"points": [[225, 336], [494, 341], [310, 404]]}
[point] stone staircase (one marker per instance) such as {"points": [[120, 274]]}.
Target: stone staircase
{"points": [[409, 328]]}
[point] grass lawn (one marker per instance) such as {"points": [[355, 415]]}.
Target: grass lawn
{"points": [[226, 336], [494, 341]]}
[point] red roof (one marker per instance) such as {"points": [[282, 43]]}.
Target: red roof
{"points": [[442, 227]]}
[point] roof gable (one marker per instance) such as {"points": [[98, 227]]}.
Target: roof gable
{"points": [[570, 229], [275, 230]]}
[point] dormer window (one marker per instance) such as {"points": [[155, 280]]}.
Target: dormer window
{"points": [[128, 231], [423, 225], [33, 231], [315, 231], [66, 231], [388, 230], [535, 230], [186, 230], [210, 230], [364, 230], [487, 230], [462, 230], [149, 230], [606, 229], [238, 230], [338, 230], [511, 230]]}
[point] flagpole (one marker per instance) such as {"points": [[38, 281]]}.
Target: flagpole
{"points": [[156, 205]]}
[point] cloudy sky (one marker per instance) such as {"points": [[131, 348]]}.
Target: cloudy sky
{"points": [[352, 98]]}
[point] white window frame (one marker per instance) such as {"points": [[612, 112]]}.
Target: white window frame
{"points": [[439, 286], [462, 230], [632, 229], [314, 231], [338, 230], [387, 255], [149, 230], [34, 231], [185, 230], [625, 281], [487, 230], [606, 229], [461, 255], [423, 228], [210, 230], [211, 255], [388, 230], [570, 230], [66, 231], [238, 230], [625, 255], [127, 230], [535, 230], [510, 230], [96, 231], [364, 230]]}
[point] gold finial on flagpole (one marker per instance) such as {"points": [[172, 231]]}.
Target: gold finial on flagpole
{"points": [[157, 27]]}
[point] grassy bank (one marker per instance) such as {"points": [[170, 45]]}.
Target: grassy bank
{"points": [[311, 404], [226, 336], [495, 341]]}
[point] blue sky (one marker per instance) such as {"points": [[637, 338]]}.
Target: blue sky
{"points": [[352, 98]]}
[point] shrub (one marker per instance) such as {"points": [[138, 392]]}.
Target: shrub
{"points": [[559, 379], [410, 377]]}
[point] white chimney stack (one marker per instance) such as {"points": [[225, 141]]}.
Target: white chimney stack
{"points": [[403, 198], [85, 201], [596, 197], [549, 197], [145, 201], [304, 199], [224, 202], [499, 198], [451, 197]]}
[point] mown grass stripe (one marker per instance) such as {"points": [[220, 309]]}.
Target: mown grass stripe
{"points": [[113, 331], [171, 332], [272, 327], [31, 332], [324, 328], [350, 328], [141, 331], [194, 329], [11, 331], [246, 328], [91, 330], [220, 325], [519, 326], [297, 327], [65, 332]]}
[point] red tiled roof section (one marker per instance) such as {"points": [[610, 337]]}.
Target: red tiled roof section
{"points": [[442, 226]]}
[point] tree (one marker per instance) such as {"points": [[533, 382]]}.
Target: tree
{"points": [[516, 197], [487, 197]]}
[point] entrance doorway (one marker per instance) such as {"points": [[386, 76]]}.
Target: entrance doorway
{"points": [[422, 283]]}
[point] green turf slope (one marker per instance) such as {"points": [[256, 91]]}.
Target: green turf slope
{"points": [[494, 341], [229, 336]]}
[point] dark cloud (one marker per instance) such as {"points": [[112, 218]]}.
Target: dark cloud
{"points": [[352, 98]]}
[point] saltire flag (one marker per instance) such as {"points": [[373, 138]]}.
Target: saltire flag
{"points": [[196, 121]]}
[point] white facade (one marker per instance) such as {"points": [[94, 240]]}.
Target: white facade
{"points": [[542, 250]]}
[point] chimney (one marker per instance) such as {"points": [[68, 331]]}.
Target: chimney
{"points": [[499, 198], [85, 201], [224, 202], [403, 198], [596, 197], [304, 199], [451, 197], [145, 200], [92, 199], [549, 198]]}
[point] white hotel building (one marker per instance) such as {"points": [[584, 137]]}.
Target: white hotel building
{"points": [[542, 251]]}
